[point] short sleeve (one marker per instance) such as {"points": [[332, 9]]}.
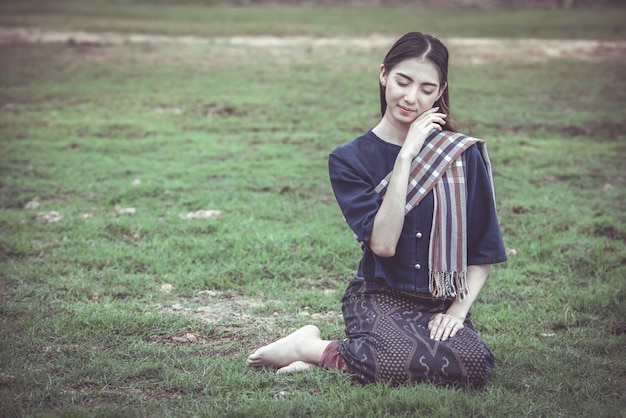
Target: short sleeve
{"points": [[354, 191], [484, 239]]}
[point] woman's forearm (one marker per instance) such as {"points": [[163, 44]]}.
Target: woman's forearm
{"points": [[390, 216], [476, 278]]}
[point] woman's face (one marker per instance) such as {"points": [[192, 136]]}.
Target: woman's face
{"points": [[411, 87]]}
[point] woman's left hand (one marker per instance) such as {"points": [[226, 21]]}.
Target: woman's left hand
{"points": [[442, 326]]}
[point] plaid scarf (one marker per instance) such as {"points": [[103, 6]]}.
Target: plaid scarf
{"points": [[439, 167]]}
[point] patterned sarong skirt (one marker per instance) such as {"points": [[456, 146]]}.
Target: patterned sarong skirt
{"points": [[387, 339]]}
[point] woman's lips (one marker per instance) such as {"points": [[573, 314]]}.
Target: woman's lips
{"points": [[406, 110]]}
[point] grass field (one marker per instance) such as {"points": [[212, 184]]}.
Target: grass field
{"points": [[114, 302], [167, 17]]}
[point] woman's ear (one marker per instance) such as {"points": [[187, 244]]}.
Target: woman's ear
{"points": [[383, 76], [442, 89]]}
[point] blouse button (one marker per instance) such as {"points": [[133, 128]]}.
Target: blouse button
{"points": [[417, 267], [418, 235]]}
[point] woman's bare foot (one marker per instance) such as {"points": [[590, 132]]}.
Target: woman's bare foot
{"points": [[296, 367], [287, 350]]}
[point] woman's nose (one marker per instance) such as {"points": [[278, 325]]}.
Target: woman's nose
{"points": [[411, 96]]}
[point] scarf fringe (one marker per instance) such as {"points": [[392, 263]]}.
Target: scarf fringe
{"points": [[447, 284]]}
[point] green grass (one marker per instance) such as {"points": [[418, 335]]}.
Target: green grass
{"points": [[213, 18], [88, 330]]}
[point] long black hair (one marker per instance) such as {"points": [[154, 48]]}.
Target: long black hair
{"points": [[420, 45]]}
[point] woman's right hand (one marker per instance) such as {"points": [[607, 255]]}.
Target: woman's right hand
{"points": [[420, 129]]}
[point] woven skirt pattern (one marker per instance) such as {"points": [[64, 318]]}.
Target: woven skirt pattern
{"points": [[387, 339]]}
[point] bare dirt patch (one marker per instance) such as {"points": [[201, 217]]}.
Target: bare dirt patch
{"points": [[232, 319], [229, 310], [473, 50], [235, 310]]}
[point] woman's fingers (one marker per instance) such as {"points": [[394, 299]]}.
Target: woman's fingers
{"points": [[438, 330], [429, 116], [439, 119], [426, 122], [443, 326], [421, 128]]}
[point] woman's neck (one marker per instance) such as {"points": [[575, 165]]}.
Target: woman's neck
{"points": [[390, 132]]}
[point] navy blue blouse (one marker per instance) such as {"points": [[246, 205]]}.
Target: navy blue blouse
{"points": [[357, 167]]}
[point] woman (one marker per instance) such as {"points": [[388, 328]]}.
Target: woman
{"points": [[419, 198]]}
